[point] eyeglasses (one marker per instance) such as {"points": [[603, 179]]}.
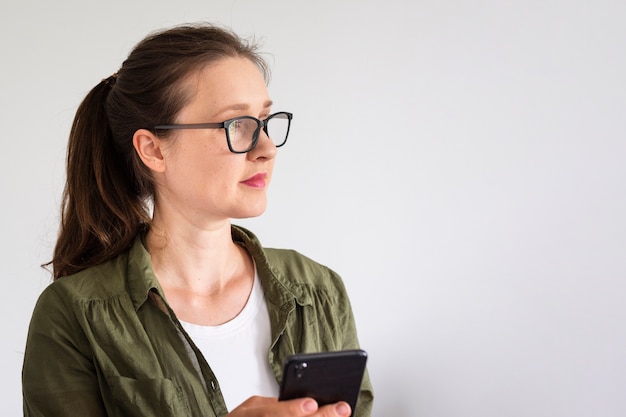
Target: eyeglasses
{"points": [[242, 133]]}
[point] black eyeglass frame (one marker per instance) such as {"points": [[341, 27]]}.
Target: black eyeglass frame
{"points": [[261, 124]]}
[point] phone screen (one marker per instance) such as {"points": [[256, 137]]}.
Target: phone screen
{"points": [[327, 377]]}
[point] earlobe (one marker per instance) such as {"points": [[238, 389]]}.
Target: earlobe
{"points": [[148, 147]]}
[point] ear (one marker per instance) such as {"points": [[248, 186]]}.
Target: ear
{"points": [[148, 147]]}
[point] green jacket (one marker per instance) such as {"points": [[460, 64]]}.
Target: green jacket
{"points": [[104, 342]]}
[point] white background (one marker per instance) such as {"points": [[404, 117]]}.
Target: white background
{"points": [[460, 163]]}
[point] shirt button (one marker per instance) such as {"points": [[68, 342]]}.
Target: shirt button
{"points": [[213, 385]]}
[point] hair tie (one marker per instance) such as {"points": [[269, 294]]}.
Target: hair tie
{"points": [[110, 81]]}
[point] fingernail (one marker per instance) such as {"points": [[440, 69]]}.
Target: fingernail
{"points": [[343, 409], [309, 406]]}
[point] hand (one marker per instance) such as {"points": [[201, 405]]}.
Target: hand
{"points": [[301, 407]]}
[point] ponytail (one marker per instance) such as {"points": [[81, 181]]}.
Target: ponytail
{"points": [[101, 212]]}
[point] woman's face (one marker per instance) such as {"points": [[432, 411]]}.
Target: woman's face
{"points": [[202, 180]]}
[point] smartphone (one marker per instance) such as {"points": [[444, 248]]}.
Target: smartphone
{"points": [[327, 377]]}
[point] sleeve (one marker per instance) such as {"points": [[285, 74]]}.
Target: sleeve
{"points": [[58, 375], [350, 340]]}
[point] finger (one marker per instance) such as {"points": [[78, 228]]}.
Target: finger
{"points": [[340, 409], [295, 408], [263, 406], [301, 407]]}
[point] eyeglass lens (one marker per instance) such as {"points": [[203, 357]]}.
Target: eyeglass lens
{"points": [[241, 131]]}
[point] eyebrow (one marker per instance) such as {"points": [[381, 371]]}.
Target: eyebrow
{"points": [[245, 106]]}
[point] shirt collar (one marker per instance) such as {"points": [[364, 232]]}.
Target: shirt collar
{"points": [[278, 288], [141, 278]]}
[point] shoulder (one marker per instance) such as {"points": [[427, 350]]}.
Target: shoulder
{"points": [[128, 274], [308, 280], [300, 268], [284, 261], [291, 270], [86, 296], [61, 307], [98, 282]]}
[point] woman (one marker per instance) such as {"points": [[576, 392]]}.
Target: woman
{"points": [[160, 307]]}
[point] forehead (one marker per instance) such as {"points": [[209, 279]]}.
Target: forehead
{"points": [[228, 83]]}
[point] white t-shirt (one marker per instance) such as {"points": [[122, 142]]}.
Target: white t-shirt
{"points": [[237, 350]]}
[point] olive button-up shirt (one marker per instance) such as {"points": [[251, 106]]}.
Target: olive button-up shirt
{"points": [[104, 342]]}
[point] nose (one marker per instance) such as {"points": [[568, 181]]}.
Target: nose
{"points": [[264, 149]]}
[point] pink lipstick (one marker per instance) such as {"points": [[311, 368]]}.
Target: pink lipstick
{"points": [[256, 181]]}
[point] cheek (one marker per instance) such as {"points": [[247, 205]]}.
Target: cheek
{"points": [[203, 163], [190, 158], [208, 172]]}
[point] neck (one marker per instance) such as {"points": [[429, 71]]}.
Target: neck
{"points": [[201, 260]]}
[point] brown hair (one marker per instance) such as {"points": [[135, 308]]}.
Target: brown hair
{"points": [[108, 188]]}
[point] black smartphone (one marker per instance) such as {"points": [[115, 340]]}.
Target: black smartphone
{"points": [[327, 377]]}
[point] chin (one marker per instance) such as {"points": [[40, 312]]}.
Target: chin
{"points": [[243, 216], [249, 212]]}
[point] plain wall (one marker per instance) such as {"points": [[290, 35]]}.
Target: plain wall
{"points": [[460, 163]]}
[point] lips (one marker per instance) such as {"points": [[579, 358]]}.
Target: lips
{"points": [[256, 181]]}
